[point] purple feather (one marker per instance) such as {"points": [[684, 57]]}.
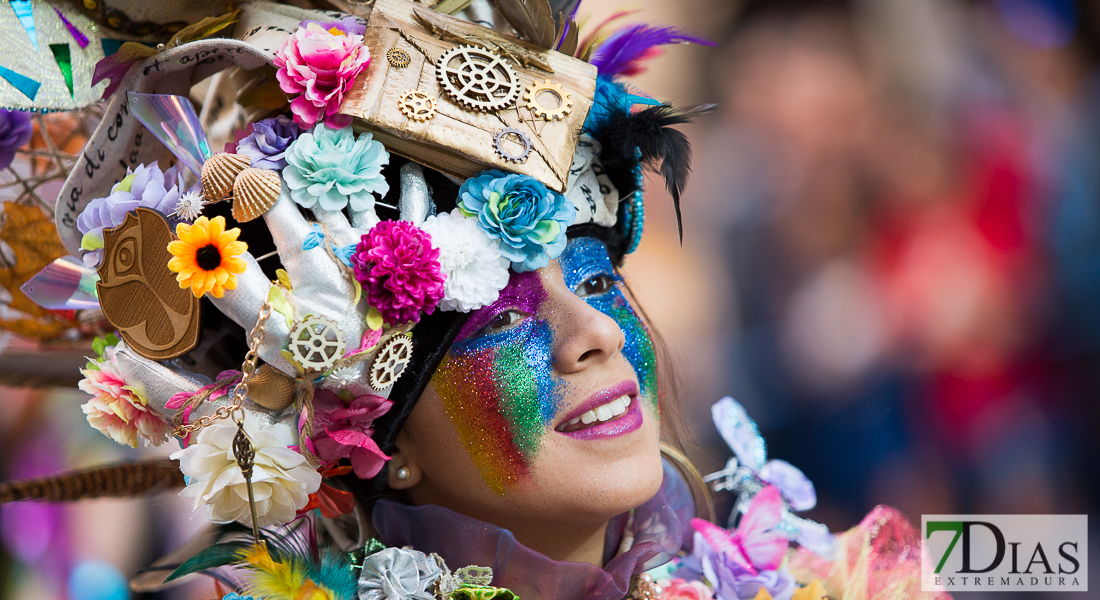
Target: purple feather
{"points": [[623, 49]]}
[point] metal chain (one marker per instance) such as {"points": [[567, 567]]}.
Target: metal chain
{"points": [[240, 391]]}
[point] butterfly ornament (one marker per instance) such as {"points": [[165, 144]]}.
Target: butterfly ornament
{"points": [[749, 472]]}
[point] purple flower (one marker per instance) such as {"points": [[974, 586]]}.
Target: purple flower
{"points": [[145, 186], [15, 131], [731, 580], [399, 270], [268, 141]]}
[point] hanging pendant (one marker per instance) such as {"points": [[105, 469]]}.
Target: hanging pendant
{"points": [[246, 457]]}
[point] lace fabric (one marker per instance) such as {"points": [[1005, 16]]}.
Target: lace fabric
{"points": [[660, 529]]}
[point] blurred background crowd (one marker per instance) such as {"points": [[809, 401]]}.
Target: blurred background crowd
{"points": [[891, 258]]}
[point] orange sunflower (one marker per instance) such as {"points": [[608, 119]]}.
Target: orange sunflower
{"points": [[207, 257]]}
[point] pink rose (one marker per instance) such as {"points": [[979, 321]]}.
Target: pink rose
{"points": [[679, 589], [344, 431], [320, 65], [118, 410]]}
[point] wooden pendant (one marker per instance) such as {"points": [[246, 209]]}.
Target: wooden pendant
{"points": [[139, 294]]}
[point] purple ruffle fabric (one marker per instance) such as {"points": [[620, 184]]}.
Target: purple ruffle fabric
{"points": [[661, 529]]}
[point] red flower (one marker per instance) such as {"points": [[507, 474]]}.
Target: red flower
{"points": [[344, 431]]}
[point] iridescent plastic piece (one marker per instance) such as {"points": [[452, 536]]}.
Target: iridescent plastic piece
{"points": [[63, 284], [173, 121]]}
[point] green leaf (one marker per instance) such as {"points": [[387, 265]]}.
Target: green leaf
{"points": [[374, 318], [217, 555], [284, 278], [112, 339], [277, 297], [99, 345], [290, 359], [358, 292], [203, 29]]}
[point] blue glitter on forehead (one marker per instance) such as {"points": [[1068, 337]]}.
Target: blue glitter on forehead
{"points": [[583, 259]]}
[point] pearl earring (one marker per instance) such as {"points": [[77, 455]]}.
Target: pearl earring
{"points": [[402, 473]]}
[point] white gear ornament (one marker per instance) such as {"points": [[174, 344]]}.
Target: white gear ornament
{"points": [[477, 79], [316, 343], [390, 362]]}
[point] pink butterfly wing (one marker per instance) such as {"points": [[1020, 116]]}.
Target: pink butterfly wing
{"points": [[764, 546], [721, 542]]}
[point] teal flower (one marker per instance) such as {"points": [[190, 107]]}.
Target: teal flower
{"points": [[334, 168], [528, 219]]}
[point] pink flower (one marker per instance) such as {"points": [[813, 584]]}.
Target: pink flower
{"points": [[399, 270], [321, 65], [344, 431], [117, 410], [679, 589]]}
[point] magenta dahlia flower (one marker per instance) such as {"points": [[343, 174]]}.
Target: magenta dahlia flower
{"points": [[400, 272], [321, 65]]}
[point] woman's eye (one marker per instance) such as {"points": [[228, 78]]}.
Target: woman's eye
{"points": [[595, 286], [502, 321]]}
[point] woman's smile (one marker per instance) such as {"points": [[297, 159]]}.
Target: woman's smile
{"points": [[606, 414]]}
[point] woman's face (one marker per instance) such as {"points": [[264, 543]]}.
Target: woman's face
{"points": [[546, 404]]}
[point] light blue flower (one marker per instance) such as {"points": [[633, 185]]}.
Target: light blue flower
{"points": [[528, 219], [334, 168], [235, 596]]}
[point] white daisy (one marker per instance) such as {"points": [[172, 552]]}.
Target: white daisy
{"points": [[475, 269]]}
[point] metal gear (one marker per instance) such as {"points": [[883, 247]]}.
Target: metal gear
{"points": [[477, 79], [532, 98], [316, 343], [417, 105], [390, 362], [399, 58], [522, 139]]}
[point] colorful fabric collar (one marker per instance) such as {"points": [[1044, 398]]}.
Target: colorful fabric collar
{"points": [[660, 526]]}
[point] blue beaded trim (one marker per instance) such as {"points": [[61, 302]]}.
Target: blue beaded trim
{"points": [[634, 215]]}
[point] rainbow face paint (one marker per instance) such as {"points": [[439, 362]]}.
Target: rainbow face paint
{"points": [[498, 388], [586, 259]]}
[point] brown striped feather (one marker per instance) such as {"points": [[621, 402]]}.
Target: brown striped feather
{"points": [[115, 480]]}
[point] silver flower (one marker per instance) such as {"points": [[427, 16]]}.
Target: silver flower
{"points": [[398, 574]]}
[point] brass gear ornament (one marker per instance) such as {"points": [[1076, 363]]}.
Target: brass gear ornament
{"points": [[316, 344], [535, 95], [477, 79], [417, 105]]}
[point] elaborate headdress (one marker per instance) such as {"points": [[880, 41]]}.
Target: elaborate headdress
{"points": [[397, 165]]}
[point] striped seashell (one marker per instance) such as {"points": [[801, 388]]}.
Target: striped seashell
{"points": [[271, 389], [219, 172], [254, 193]]}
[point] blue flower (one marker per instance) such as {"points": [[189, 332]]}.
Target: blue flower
{"points": [[235, 596], [334, 168], [528, 219]]}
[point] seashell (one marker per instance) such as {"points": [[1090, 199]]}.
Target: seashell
{"points": [[254, 193], [271, 388], [219, 172]]}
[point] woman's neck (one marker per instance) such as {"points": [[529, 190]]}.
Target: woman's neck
{"points": [[562, 542]]}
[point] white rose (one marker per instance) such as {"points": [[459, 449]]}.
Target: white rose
{"points": [[282, 480]]}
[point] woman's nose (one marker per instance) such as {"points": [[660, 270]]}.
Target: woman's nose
{"points": [[584, 337]]}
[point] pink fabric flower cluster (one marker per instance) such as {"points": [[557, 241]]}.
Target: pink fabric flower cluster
{"points": [[321, 65], [116, 409], [400, 272], [680, 589], [344, 431]]}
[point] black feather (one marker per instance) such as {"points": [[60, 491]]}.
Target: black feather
{"points": [[663, 149]]}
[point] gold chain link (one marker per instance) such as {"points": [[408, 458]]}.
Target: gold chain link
{"points": [[240, 391]]}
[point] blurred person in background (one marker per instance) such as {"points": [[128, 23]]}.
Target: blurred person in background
{"points": [[906, 201]]}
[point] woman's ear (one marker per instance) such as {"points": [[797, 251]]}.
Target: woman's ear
{"points": [[404, 472]]}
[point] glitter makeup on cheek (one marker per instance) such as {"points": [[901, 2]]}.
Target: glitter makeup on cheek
{"points": [[585, 258], [500, 393]]}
